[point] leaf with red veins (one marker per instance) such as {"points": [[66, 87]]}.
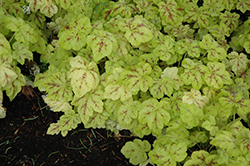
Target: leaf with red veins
{"points": [[74, 34], [217, 75], [136, 30], [230, 19], [200, 15], [229, 4], [89, 103], [21, 52], [193, 73], [165, 49], [121, 8], [146, 7], [188, 45], [169, 12], [243, 5], [102, 44], [194, 96], [238, 62]]}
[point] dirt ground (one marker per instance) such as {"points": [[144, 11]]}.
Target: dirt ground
{"points": [[23, 138]]}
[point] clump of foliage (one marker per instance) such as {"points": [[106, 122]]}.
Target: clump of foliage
{"points": [[177, 69]]}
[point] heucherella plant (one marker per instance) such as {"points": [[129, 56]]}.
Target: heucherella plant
{"points": [[176, 69]]}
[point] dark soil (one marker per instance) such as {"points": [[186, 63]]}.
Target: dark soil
{"points": [[23, 138]]}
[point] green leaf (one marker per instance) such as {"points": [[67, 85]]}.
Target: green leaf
{"points": [[23, 31], [194, 96], [48, 9], [21, 52], [238, 62], [169, 12], [74, 34], [127, 112], [7, 74], [189, 46], [88, 104], [194, 73], [137, 78], [136, 30], [198, 14], [102, 44], [198, 158], [136, 151], [155, 114], [15, 87], [243, 5], [217, 75], [98, 120], [161, 156], [191, 115], [225, 140], [5, 50], [84, 76], [214, 50], [68, 121], [114, 89], [58, 87], [230, 19], [57, 105], [197, 137], [53, 129], [165, 49]]}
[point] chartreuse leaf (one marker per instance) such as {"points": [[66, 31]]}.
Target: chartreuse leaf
{"points": [[136, 151], [23, 31], [67, 122], [146, 8], [74, 34], [137, 78], [191, 115], [136, 30], [21, 52], [127, 112], [238, 62], [88, 104], [196, 137], [169, 12], [13, 88], [198, 14], [58, 87], [2, 109], [102, 44], [7, 74], [189, 46], [200, 158], [243, 5], [165, 49], [230, 19], [214, 51], [84, 76], [214, 6], [115, 89], [193, 73], [155, 114], [194, 96], [225, 140], [237, 102], [98, 120], [169, 81], [217, 75], [57, 105], [168, 154]]}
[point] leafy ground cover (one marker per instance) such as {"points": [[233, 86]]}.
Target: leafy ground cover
{"points": [[23, 139]]}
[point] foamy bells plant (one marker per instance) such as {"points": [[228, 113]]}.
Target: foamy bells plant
{"points": [[177, 69]]}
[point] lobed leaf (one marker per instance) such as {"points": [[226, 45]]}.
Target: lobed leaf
{"points": [[194, 73], [155, 114], [136, 30], [135, 151], [74, 34], [102, 44], [21, 52], [84, 76], [194, 96], [88, 104], [217, 75]]}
